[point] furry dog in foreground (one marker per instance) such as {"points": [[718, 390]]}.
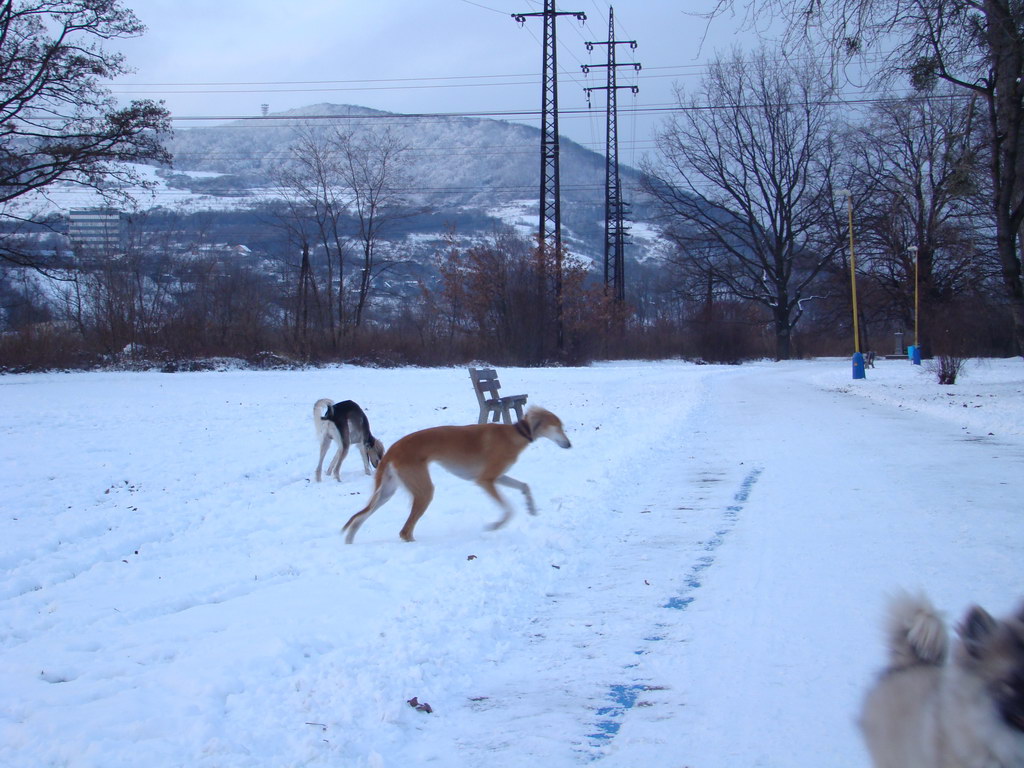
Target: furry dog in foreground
{"points": [[478, 452], [344, 423], [966, 712]]}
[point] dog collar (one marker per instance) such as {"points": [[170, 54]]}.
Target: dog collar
{"points": [[524, 429]]}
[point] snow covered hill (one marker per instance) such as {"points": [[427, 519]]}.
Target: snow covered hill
{"points": [[452, 160], [472, 173]]}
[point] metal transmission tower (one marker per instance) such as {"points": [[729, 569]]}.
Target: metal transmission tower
{"points": [[550, 229], [614, 218]]}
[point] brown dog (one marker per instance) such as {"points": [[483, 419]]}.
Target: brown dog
{"points": [[478, 452]]}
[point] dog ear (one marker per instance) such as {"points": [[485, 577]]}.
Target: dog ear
{"points": [[533, 418], [975, 630]]}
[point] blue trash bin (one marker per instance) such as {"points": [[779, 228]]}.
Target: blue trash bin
{"points": [[858, 365]]}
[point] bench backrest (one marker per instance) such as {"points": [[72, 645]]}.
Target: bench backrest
{"points": [[485, 383]]}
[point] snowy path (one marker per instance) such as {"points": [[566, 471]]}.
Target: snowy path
{"points": [[701, 587], [853, 501], [729, 616]]}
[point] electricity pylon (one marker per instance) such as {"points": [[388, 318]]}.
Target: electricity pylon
{"points": [[614, 217], [550, 227]]}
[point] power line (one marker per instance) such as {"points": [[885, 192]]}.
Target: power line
{"points": [[647, 109], [320, 86], [687, 70], [486, 8]]}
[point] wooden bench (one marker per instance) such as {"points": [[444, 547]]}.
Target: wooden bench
{"points": [[486, 385]]}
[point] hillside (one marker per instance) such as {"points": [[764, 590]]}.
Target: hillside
{"points": [[477, 169], [458, 159]]}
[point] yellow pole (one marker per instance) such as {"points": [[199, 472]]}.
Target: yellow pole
{"points": [[917, 298], [853, 274]]}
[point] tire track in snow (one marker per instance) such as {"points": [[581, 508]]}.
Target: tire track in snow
{"points": [[622, 697]]}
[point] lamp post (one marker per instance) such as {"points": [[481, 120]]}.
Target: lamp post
{"points": [[858, 358], [915, 351]]}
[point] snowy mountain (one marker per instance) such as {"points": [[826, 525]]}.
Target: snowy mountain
{"points": [[481, 170], [451, 159], [471, 174]]}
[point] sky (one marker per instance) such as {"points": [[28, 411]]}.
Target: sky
{"points": [[228, 58]]}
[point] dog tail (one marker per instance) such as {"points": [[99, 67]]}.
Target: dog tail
{"points": [[385, 482], [319, 407], [917, 633]]}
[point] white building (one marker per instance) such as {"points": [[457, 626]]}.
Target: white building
{"points": [[97, 230]]}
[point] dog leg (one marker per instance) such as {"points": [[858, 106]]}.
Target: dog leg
{"points": [[511, 482], [366, 459], [325, 443], [506, 508], [381, 494], [419, 506], [335, 466], [417, 480]]}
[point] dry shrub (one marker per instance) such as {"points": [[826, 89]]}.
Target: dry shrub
{"points": [[947, 367]]}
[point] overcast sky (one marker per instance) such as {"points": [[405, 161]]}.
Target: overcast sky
{"points": [[226, 58]]}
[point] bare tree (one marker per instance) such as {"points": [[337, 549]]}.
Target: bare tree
{"points": [[920, 160], [290, 212], [486, 292], [975, 45], [489, 296], [337, 189], [744, 178], [375, 174], [314, 178], [57, 122]]}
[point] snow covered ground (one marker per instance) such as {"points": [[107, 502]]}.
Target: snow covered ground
{"points": [[62, 197], [701, 588]]}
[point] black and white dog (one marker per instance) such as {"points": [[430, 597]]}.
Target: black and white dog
{"points": [[345, 423]]}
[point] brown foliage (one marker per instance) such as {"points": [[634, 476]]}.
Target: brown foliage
{"points": [[503, 296]]}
